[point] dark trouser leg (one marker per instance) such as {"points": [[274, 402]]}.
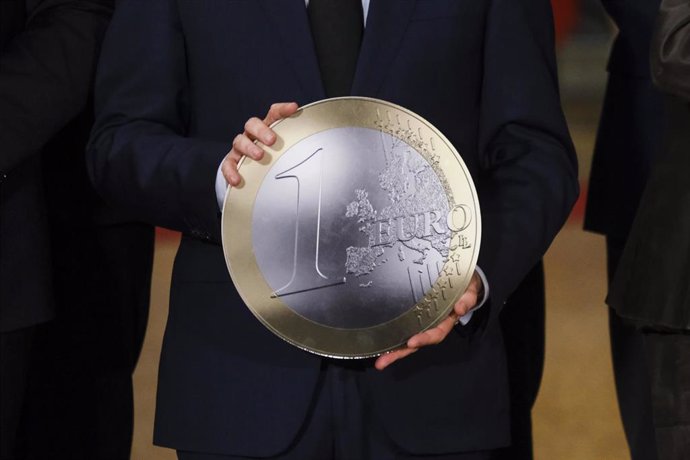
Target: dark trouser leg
{"points": [[669, 362], [79, 401], [631, 374], [522, 323], [15, 348]]}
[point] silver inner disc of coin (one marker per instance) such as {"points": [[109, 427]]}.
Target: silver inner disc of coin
{"points": [[350, 227]]}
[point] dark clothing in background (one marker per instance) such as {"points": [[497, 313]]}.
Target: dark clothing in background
{"points": [[79, 403], [631, 122], [628, 138], [62, 251], [667, 353], [670, 53], [523, 326], [652, 285], [630, 371], [15, 355], [175, 86]]}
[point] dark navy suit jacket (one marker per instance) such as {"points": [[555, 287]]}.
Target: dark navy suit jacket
{"points": [[179, 78]]}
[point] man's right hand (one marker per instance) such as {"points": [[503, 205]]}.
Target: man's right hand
{"points": [[255, 129]]}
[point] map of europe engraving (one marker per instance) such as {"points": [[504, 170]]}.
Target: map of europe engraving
{"points": [[413, 220]]}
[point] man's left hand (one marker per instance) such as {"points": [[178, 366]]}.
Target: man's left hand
{"points": [[437, 334]]}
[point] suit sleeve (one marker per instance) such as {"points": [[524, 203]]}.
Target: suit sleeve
{"points": [[528, 183], [46, 73], [140, 156], [670, 50]]}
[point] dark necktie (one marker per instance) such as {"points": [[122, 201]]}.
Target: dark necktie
{"points": [[337, 27]]}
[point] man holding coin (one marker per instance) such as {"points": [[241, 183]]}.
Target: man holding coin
{"points": [[179, 79]]}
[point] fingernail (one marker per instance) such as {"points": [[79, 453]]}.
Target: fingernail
{"points": [[268, 138]]}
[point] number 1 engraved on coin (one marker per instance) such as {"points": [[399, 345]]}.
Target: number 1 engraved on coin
{"points": [[308, 174]]}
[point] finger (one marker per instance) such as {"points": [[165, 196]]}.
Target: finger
{"points": [[279, 111], [466, 303], [475, 286], [244, 146], [470, 297], [229, 169], [387, 359], [256, 129], [434, 335]]}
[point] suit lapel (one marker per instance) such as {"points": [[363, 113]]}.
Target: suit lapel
{"points": [[291, 23], [385, 28]]}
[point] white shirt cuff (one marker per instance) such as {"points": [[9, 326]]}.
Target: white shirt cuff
{"points": [[468, 316], [221, 187]]}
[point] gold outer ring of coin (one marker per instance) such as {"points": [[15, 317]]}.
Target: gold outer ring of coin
{"points": [[436, 304]]}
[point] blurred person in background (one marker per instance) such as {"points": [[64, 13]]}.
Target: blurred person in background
{"points": [[74, 274], [628, 138], [652, 285]]}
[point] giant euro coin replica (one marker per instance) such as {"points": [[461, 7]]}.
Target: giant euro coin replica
{"points": [[358, 229]]}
